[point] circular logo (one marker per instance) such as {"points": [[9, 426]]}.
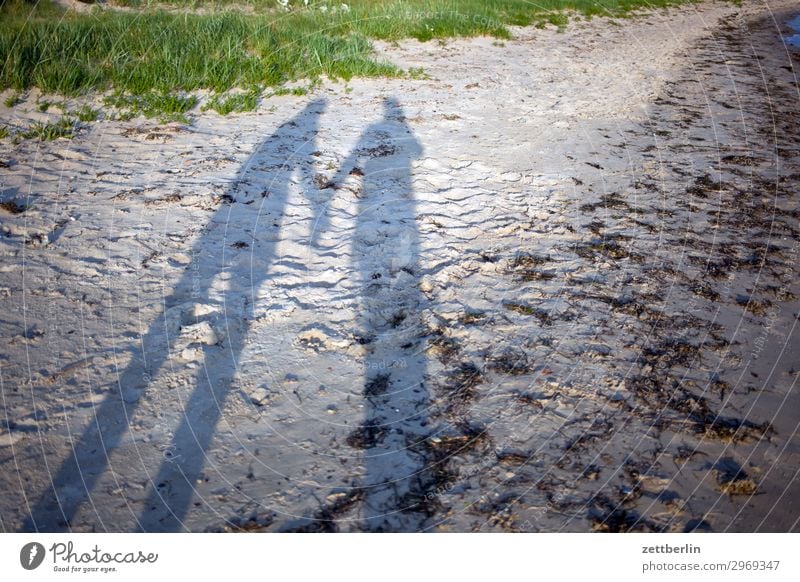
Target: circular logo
{"points": [[31, 555]]}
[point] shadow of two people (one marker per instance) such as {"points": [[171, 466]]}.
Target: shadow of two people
{"points": [[385, 256]]}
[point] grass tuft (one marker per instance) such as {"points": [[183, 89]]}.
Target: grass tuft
{"points": [[48, 131], [87, 114], [163, 105], [226, 104], [298, 91], [12, 100]]}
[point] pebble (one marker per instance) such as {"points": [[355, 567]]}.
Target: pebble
{"points": [[259, 396], [336, 497], [511, 176], [131, 395], [181, 259]]}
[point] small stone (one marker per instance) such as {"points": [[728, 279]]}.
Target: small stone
{"points": [[337, 497], [511, 176], [425, 286], [259, 396], [181, 259], [131, 395]]}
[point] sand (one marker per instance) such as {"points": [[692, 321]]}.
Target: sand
{"points": [[550, 287]]}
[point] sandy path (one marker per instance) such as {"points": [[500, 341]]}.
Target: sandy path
{"points": [[551, 288]]}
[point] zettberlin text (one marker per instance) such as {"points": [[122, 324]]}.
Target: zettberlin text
{"points": [[665, 549]]}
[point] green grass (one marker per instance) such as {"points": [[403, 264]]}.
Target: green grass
{"points": [[149, 51], [12, 100], [86, 114], [417, 73], [153, 50], [162, 104], [48, 131], [297, 91], [233, 103], [4, 131]]}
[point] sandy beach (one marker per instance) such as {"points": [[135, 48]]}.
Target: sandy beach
{"points": [[550, 285]]}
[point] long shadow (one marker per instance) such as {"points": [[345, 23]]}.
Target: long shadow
{"points": [[173, 488], [385, 251]]}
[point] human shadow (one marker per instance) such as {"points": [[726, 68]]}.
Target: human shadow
{"points": [[385, 264], [218, 316]]}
